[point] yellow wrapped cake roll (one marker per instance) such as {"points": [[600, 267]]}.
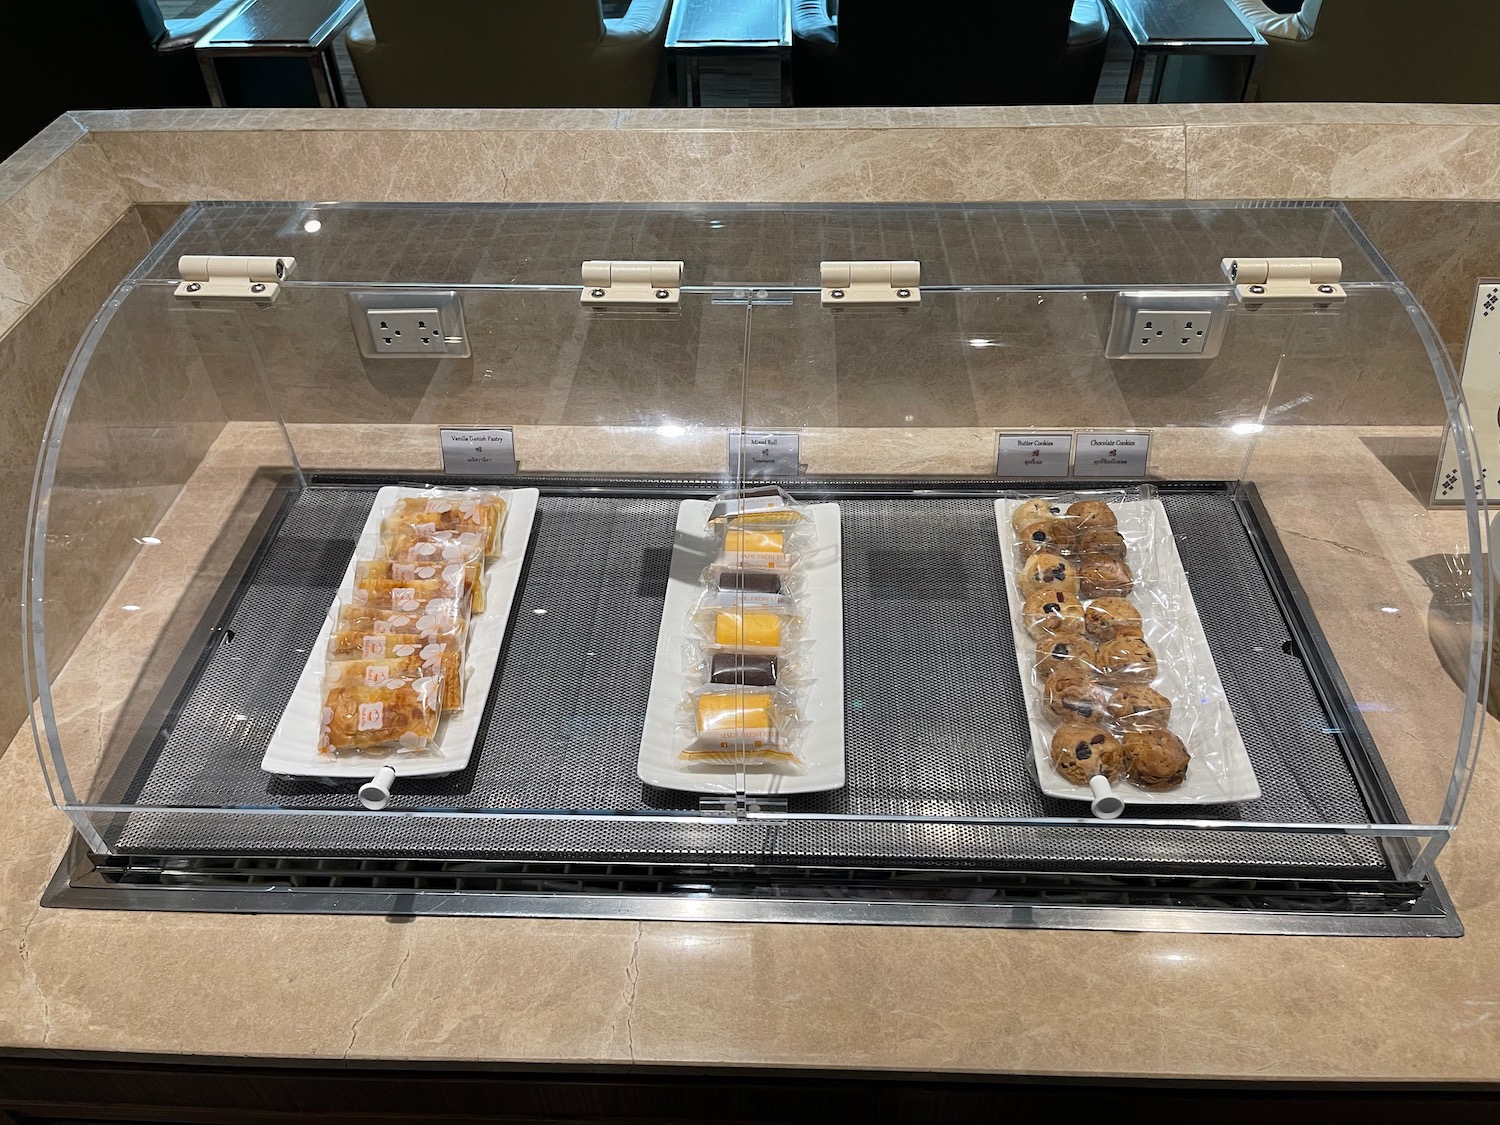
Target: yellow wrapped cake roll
{"points": [[750, 630]]}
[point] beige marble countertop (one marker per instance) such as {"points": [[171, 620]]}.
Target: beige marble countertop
{"points": [[957, 1000]]}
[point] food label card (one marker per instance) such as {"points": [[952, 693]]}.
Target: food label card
{"points": [[1114, 455], [1033, 455]]}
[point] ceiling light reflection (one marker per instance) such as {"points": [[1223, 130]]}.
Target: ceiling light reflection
{"points": [[1247, 427]]}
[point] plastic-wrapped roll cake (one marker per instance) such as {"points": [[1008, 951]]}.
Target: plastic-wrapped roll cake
{"points": [[742, 690]]}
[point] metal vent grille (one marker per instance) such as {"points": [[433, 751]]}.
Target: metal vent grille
{"points": [[935, 720]]}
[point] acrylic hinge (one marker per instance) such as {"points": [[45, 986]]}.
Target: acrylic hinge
{"points": [[871, 283], [240, 276], [632, 283], [1300, 282]]}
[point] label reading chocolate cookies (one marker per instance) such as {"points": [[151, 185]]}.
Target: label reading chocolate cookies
{"points": [[1113, 455]]}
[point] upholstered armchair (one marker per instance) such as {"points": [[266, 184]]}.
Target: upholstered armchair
{"points": [[507, 52], [1389, 51], [890, 52]]}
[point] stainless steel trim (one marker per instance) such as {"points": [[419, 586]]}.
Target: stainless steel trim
{"points": [[1434, 917]]}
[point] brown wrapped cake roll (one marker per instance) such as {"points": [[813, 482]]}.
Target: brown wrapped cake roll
{"points": [[1081, 750], [1101, 576], [1055, 535], [1072, 696], [1055, 653], [1052, 611], [1093, 513], [1032, 511], [1138, 707], [1101, 541], [1108, 618], [1046, 571], [1155, 759], [1126, 660]]}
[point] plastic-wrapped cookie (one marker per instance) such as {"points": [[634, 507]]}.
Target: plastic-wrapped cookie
{"points": [[1155, 759], [1055, 535], [1032, 512], [1081, 750], [1101, 576], [1126, 660], [1072, 696], [1108, 618], [1101, 541], [1046, 571], [1093, 513], [1138, 707], [1052, 611], [1056, 653]]}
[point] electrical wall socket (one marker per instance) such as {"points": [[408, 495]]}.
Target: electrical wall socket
{"points": [[405, 331], [1168, 324], [404, 323], [1170, 333]]}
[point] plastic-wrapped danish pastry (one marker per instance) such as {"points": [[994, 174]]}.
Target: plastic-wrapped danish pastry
{"points": [[438, 620], [414, 556], [365, 711], [411, 594], [461, 580], [463, 510], [401, 654]]}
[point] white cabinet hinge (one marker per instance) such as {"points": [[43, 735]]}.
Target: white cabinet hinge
{"points": [[871, 283], [1299, 282], [232, 275], [632, 283]]}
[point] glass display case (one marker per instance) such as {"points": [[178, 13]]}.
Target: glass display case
{"points": [[878, 700]]}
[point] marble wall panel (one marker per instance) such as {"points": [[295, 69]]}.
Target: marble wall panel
{"points": [[33, 356], [1058, 162], [1343, 161], [37, 154], [52, 220]]}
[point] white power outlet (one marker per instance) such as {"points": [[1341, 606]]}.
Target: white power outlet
{"points": [[406, 331], [1168, 323], [402, 323], [1178, 333]]}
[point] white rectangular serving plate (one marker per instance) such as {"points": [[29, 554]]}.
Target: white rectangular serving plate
{"points": [[293, 749], [821, 706], [1220, 772]]}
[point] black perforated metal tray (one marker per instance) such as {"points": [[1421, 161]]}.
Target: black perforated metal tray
{"points": [[935, 718]]}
